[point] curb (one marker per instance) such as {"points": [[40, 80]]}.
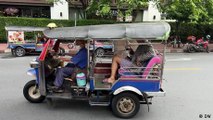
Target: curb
{"points": [[174, 51], [5, 51]]}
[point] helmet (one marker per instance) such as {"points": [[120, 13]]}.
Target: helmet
{"points": [[208, 37]]}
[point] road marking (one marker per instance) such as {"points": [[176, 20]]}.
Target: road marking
{"points": [[182, 69], [179, 59]]}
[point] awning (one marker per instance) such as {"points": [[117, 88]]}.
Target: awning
{"points": [[24, 28]]}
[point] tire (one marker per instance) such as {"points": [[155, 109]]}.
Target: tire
{"points": [[99, 52], [31, 92], [191, 49], [20, 52], [125, 105]]}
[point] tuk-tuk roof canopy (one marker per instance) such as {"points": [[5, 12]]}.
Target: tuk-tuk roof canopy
{"points": [[151, 31], [24, 28]]}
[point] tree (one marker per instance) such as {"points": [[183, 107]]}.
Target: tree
{"points": [[123, 7], [102, 8], [187, 10]]}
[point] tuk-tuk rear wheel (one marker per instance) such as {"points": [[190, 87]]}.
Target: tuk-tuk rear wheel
{"points": [[31, 92], [125, 105]]}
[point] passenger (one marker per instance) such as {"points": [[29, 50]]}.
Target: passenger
{"points": [[79, 60], [142, 54]]}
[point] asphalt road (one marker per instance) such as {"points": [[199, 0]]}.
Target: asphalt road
{"points": [[188, 82]]}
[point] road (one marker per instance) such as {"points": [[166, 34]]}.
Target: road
{"points": [[188, 82]]}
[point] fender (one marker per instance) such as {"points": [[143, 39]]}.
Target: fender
{"points": [[31, 72], [127, 88]]}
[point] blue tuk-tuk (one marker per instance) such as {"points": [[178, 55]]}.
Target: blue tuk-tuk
{"points": [[123, 96], [25, 39]]}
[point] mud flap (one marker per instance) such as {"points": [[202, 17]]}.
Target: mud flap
{"points": [[145, 96]]}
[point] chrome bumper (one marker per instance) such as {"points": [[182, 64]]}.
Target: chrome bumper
{"points": [[156, 94]]}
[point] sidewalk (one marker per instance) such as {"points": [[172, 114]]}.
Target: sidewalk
{"points": [[180, 50], [4, 49]]}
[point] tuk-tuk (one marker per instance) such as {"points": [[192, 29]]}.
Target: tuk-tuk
{"points": [[126, 94], [25, 39]]}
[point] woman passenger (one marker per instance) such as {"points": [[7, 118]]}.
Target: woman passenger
{"points": [[142, 55]]}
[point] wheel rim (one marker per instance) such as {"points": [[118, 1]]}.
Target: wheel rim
{"points": [[19, 52], [100, 52], [125, 105], [33, 92]]}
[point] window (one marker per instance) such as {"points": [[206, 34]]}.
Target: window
{"points": [[154, 17], [25, 11]]}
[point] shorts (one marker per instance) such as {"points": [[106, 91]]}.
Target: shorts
{"points": [[126, 71]]}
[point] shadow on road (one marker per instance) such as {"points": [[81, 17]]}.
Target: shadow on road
{"points": [[10, 56], [79, 109]]}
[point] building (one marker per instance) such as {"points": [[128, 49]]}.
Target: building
{"points": [[25, 8], [152, 13], [64, 10]]}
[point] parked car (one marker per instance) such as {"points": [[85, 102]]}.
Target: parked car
{"points": [[101, 47]]}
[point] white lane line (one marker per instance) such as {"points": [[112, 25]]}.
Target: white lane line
{"points": [[182, 69], [178, 59]]}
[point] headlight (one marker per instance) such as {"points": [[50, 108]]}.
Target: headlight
{"points": [[34, 64]]}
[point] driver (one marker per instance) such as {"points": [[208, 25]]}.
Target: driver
{"points": [[79, 60]]}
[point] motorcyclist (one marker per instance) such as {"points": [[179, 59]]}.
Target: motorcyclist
{"points": [[198, 45]]}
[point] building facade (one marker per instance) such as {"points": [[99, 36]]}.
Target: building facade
{"points": [[25, 8], [64, 10]]}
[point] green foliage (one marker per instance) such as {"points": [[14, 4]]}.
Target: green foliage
{"points": [[188, 10], [42, 22], [103, 7], [196, 29]]}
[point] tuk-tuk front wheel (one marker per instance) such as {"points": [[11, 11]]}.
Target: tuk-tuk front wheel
{"points": [[31, 92], [19, 52], [125, 105]]}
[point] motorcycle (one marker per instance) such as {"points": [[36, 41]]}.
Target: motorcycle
{"points": [[194, 45]]}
